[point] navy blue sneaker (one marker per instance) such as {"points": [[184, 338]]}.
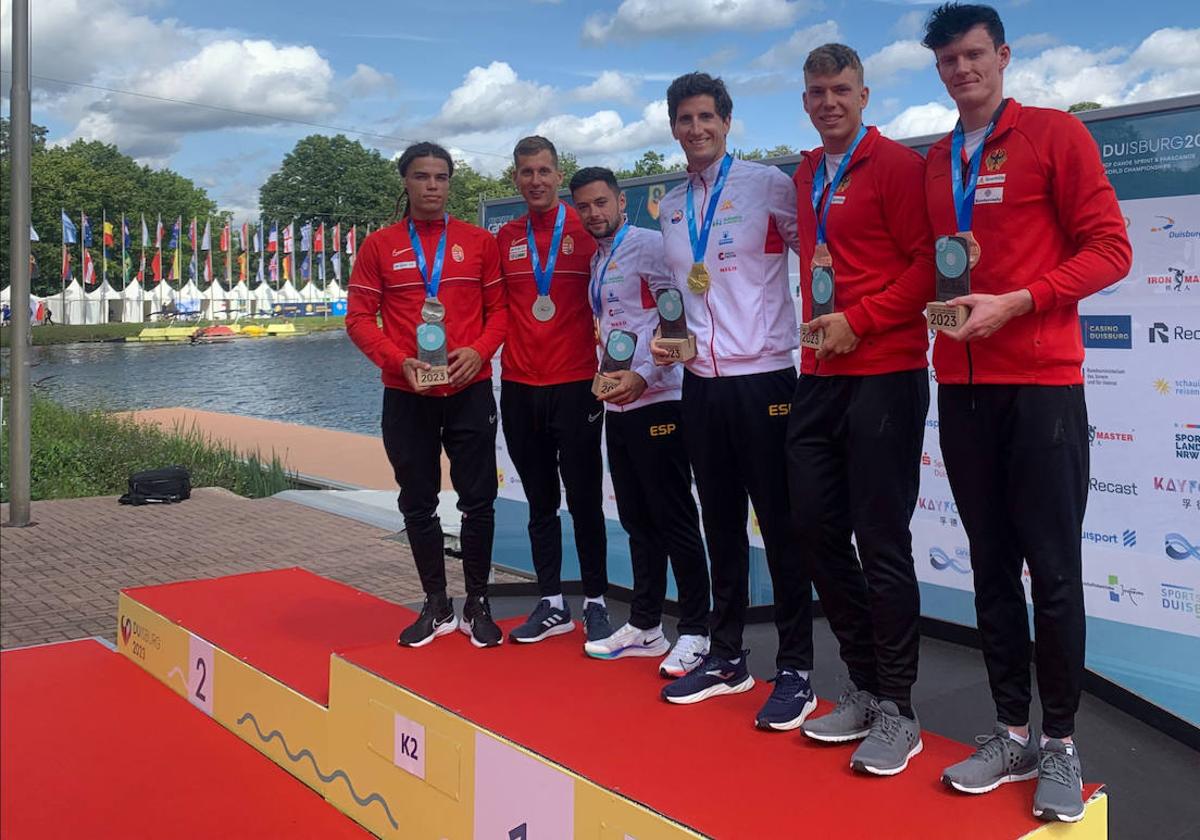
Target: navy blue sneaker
{"points": [[713, 676], [789, 704], [596, 624], [545, 621]]}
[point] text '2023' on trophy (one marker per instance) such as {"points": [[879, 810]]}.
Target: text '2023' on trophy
{"points": [[820, 297], [618, 355], [672, 333], [953, 257], [431, 349]]}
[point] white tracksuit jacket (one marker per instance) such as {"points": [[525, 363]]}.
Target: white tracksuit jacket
{"points": [[746, 321], [627, 303]]}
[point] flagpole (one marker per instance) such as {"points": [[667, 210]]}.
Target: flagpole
{"points": [[103, 266]]}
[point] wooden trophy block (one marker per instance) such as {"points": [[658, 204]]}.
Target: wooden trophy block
{"points": [[602, 384], [680, 349], [811, 339], [436, 375], [943, 316]]}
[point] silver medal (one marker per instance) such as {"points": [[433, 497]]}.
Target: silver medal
{"points": [[543, 308], [432, 311]]}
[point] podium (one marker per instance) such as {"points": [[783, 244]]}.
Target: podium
{"points": [[521, 741]]}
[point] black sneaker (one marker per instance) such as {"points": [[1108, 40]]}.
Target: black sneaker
{"points": [[477, 623], [596, 623], [546, 620], [436, 619]]}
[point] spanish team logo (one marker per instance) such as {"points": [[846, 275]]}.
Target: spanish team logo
{"points": [[727, 204], [568, 246], [995, 159], [457, 253], [677, 217]]}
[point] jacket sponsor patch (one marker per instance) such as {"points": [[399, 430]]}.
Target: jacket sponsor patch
{"points": [[985, 180], [989, 195], [518, 252], [400, 266]]}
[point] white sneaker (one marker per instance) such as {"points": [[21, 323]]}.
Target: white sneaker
{"points": [[629, 641], [686, 655]]}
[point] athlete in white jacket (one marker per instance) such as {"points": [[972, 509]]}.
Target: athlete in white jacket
{"points": [[644, 433], [726, 233]]}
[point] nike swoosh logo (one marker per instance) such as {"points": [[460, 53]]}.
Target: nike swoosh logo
{"points": [[592, 418], [653, 641], [491, 419], [441, 623]]}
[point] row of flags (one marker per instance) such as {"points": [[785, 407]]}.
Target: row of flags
{"points": [[276, 255]]}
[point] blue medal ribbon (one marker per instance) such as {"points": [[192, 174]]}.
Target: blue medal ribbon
{"points": [[598, 286], [700, 242], [432, 279], [543, 278], [964, 189], [818, 187]]}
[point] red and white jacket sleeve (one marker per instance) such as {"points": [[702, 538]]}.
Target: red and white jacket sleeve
{"points": [[363, 307]]}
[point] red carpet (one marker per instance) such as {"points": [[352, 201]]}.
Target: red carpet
{"points": [[92, 746], [703, 765], [285, 623]]}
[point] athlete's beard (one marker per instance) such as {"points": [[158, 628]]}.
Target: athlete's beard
{"points": [[612, 227]]}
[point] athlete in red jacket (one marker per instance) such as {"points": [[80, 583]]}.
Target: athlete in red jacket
{"points": [[434, 271], [858, 417], [1028, 185], [552, 422]]}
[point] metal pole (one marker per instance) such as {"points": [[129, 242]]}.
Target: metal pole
{"points": [[20, 135]]}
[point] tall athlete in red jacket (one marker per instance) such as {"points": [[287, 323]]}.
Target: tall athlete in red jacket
{"points": [[552, 422], [433, 270], [1013, 421], [858, 417]]}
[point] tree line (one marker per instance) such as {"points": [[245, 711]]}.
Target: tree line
{"points": [[323, 178]]}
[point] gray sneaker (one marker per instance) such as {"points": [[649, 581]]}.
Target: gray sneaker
{"points": [[849, 720], [999, 759], [1059, 794], [893, 740]]}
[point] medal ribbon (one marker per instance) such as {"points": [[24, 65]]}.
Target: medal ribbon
{"points": [[543, 278], [700, 243], [964, 190], [432, 279], [818, 186], [598, 283]]}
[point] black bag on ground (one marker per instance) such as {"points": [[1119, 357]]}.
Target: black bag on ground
{"points": [[164, 486]]}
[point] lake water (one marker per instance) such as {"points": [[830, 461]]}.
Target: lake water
{"points": [[319, 379]]}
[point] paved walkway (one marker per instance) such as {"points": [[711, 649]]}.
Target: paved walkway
{"points": [[59, 579], [343, 457]]}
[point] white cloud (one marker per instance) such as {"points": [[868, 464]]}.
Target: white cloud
{"points": [[793, 51], [232, 77], [636, 19], [894, 59], [916, 120], [1034, 42], [910, 24], [367, 81], [490, 97], [610, 86], [604, 132], [1172, 47]]}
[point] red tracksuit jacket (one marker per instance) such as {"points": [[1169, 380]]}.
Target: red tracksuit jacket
{"points": [[1047, 220], [878, 235], [386, 280], [562, 349]]}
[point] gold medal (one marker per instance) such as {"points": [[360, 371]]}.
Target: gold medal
{"points": [[821, 256], [973, 249], [698, 278]]}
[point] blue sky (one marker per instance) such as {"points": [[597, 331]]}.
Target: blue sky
{"points": [[478, 75]]}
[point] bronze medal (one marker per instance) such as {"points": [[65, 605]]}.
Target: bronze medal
{"points": [[698, 278], [821, 256], [973, 249]]}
